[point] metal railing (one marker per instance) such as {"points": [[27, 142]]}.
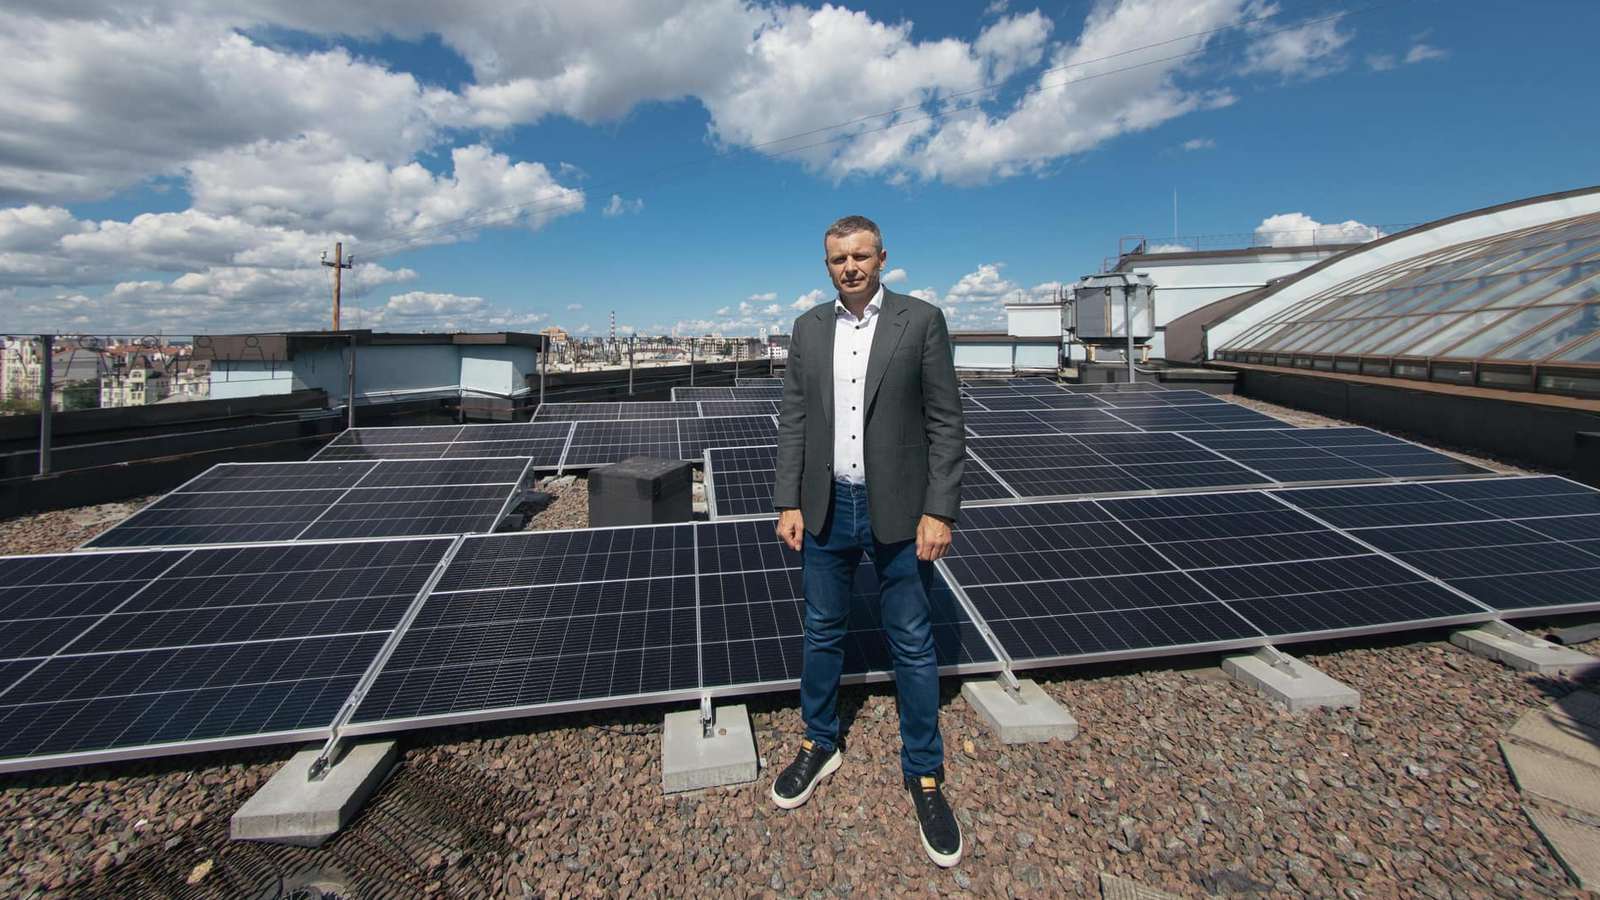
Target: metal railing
{"points": [[46, 375]]}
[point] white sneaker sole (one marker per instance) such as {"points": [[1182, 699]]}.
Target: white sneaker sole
{"points": [[828, 768], [942, 860]]}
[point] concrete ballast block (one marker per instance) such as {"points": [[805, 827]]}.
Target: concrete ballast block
{"points": [[1522, 651], [292, 809], [1289, 681], [691, 761], [1034, 720]]}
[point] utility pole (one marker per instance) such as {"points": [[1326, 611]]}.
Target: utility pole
{"points": [[338, 266]]}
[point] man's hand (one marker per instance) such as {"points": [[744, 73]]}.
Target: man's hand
{"points": [[933, 538], [792, 525]]}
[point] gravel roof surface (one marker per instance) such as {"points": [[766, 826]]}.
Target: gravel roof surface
{"points": [[1180, 779]]}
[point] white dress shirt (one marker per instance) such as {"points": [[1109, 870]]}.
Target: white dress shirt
{"points": [[852, 342]]}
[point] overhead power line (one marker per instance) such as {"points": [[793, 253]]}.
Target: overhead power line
{"points": [[397, 242]]}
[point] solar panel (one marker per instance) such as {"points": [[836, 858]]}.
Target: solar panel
{"points": [[1113, 387], [1523, 546], [740, 480], [969, 405], [200, 649], [603, 443], [695, 435], [1332, 454], [381, 451], [1220, 416], [577, 412], [1073, 421], [1136, 399], [1057, 465], [751, 608], [704, 393], [400, 434], [758, 382], [1084, 580], [533, 621], [1006, 402], [545, 621], [542, 442], [261, 502], [718, 408]]}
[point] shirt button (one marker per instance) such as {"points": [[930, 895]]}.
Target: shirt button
{"points": [[852, 409]]}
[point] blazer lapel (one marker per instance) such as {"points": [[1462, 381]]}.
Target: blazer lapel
{"points": [[824, 330], [891, 328]]}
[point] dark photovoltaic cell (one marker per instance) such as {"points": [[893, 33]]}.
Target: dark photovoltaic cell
{"points": [[1332, 454], [1139, 576], [695, 435], [603, 443], [1520, 545], [541, 442], [231, 504], [224, 646], [969, 405]]}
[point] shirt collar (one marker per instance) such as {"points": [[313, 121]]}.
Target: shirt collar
{"points": [[873, 306]]}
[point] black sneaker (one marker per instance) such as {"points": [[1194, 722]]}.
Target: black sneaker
{"points": [[941, 834], [810, 766]]}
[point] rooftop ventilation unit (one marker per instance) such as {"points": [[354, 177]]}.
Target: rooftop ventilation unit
{"points": [[1114, 310]]}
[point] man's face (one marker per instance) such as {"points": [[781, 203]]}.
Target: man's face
{"points": [[854, 262]]}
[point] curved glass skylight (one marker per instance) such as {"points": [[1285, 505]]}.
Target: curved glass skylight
{"points": [[1527, 296]]}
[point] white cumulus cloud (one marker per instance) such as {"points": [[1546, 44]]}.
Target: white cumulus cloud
{"points": [[1296, 229]]}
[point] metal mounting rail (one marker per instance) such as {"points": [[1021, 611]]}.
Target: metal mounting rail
{"points": [[325, 759], [1006, 676]]}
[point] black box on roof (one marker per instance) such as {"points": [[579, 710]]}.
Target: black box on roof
{"points": [[640, 490]]}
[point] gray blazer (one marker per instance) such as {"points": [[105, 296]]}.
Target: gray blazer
{"points": [[914, 444]]}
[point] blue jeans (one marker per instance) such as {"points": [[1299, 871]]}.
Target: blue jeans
{"points": [[828, 571]]}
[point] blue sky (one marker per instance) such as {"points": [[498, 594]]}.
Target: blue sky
{"points": [[163, 167]]}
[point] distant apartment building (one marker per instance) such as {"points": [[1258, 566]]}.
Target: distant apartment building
{"points": [[74, 375], [142, 377]]}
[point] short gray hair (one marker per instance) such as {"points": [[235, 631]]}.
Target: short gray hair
{"points": [[850, 225]]}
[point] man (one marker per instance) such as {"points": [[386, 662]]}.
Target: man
{"points": [[869, 460]]}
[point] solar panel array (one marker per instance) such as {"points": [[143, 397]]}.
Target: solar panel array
{"points": [[1519, 545], [124, 653], [1038, 466], [256, 502], [541, 442], [136, 653], [117, 654], [1085, 580], [545, 621]]}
